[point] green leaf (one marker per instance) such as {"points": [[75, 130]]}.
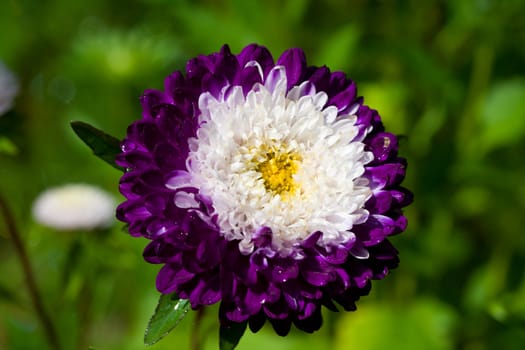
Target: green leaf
{"points": [[104, 146], [229, 336], [169, 312]]}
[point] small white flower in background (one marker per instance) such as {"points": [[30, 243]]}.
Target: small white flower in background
{"points": [[74, 207], [8, 88]]}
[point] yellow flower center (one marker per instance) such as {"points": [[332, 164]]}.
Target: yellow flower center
{"points": [[277, 170]]}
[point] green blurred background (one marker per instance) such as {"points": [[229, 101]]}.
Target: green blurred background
{"points": [[447, 75]]}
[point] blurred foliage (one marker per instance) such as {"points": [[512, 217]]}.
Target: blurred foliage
{"points": [[446, 75]]}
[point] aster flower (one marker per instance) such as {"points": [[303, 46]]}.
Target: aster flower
{"points": [[8, 88], [269, 187], [74, 207]]}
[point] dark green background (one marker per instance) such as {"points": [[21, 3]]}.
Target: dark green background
{"points": [[447, 75]]}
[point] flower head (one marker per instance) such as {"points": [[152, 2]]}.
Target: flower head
{"points": [[267, 186], [74, 207], [8, 88]]}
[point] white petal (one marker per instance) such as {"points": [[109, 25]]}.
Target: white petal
{"points": [[359, 252], [180, 179], [276, 81], [185, 200], [255, 64]]}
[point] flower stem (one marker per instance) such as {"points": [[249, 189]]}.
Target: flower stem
{"points": [[30, 281], [195, 343]]}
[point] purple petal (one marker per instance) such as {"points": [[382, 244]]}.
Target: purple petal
{"points": [[336, 255], [316, 271], [256, 322], [281, 327], [312, 239], [380, 202], [150, 101], [383, 145], [257, 53], [294, 62], [344, 98], [262, 237], [169, 278], [277, 310], [320, 77], [385, 175], [253, 301], [307, 312], [284, 270]]}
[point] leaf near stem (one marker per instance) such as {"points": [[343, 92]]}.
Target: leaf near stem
{"points": [[104, 146], [169, 312]]}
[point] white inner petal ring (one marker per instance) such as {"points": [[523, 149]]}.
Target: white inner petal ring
{"points": [[326, 190]]}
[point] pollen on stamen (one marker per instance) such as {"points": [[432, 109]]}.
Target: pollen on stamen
{"points": [[277, 170]]}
